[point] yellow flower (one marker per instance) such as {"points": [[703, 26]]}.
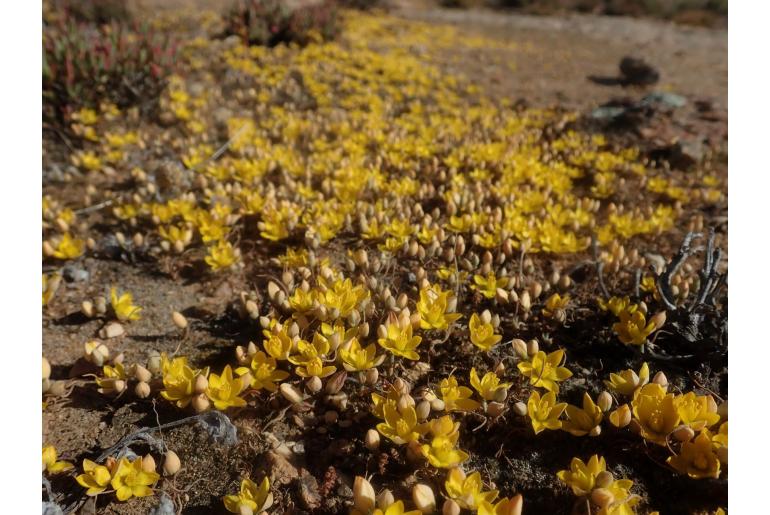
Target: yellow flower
{"points": [[130, 480], [489, 386], [222, 255], [69, 247], [123, 306], [264, 373], [441, 453], [256, 498], [583, 421], [720, 439], [179, 380], [488, 285], [223, 390], [357, 359], [310, 358], [696, 459], [467, 491], [50, 285], [504, 506], [483, 334], [397, 508], [278, 344], [432, 307], [96, 478], [656, 412], [399, 340], [633, 328], [616, 305], [544, 412], [581, 477], [50, 464], [400, 427], [544, 371], [554, 303], [627, 381], [455, 397], [622, 501], [694, 411]]}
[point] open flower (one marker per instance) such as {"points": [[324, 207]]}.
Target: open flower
{"points": [[130, 480], [69, 247], [504, 506], [656, 412], [544, 371], [400, 427], [555, 304], [224, 389], [399, 340], [489, 386], [694, 411], [179, 380], [615, 305], [433, 307], [442, 453], [50, 464], [95, 478], [455, 397], [397, 508], [583, 421], [627, 381], [696, 459], [256, 498], [221, 255], [633, 328], [357, 359], [581, 477], [488, 285], [544, 413], [123, 306], [467, 490], [483, 333], [264, 372]]}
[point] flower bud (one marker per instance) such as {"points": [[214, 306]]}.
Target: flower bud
{"points": [[371, 376], [621, 417], [385, 499], [501, 394], [535, 289], [200, 403], [87, 308], [659, 319], [46, 369], [520, 348], [372, 440], [602, 497], [148, 463], [290, 393], [722, 410], [363, 495], [171, 464], [683, 433], [437, 404], [495, 409], [245, 509], [142, 374], [179, 320], [335, 383], [153, 363], [661, 379], [423, 498], [604, 479], [314, 384], [201, 384], [604, 401], [524, 301], [520, 409], [532, 348], [423, 410], [142, 390], [450, 508]]}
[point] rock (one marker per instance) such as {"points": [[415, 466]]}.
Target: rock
{"points": [[112, 330], [666, 99], [282, 472], [636, 72], [75, 274], [307, 487]]}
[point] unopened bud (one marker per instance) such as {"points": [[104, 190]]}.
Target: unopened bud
{"points": [[314, 384], [604, 479], [148, 463], [604, 401], [520, 409], [661, 379], [363, 495], [621, 417], [200, 403], [171, 464], [520, 348], [142, 374], [602, 497], [683, 433], [201, 384], [423, 498], [290, 393], [532, 348], [179, 320], [142, 390], [450, 508], [423, 410], [385, 499], [372, 440]]}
